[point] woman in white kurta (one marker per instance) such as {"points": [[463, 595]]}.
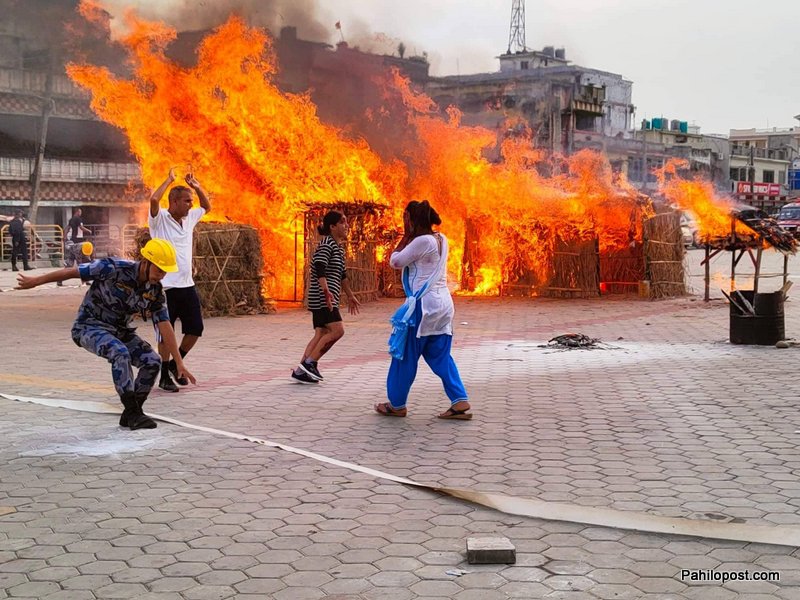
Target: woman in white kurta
{"points": [[423, 253]]}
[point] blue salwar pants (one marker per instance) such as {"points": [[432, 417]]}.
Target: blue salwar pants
{"points": [[435, 349]]}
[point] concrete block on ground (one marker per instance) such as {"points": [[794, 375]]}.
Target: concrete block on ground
{"points": [[491, 551]]}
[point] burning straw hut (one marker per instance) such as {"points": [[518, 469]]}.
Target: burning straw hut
{"points": [[564, 260], [760, 232], [228, 268], [361, 252]]}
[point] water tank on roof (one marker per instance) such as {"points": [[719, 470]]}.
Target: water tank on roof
{"points": [[675, 125], [549, 51], [684, 127], [656, 122], [561, 53], [645, 124], [664, 123]]}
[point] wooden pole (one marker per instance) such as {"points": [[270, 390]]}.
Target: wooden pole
{"points": [[757, 274], [707, 262], [785, 269]]}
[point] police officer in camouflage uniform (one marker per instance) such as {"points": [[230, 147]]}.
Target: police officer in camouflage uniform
{"points": [[121, 289]]}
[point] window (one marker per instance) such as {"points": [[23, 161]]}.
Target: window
{"points": [[634, 169], [523, 65], [781, 176], [768, 177], [739, 174]]}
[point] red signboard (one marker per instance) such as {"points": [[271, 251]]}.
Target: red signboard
{"points": [[762, 189]]}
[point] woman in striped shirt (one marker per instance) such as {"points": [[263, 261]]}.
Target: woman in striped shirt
{"points": [[327, 280]]}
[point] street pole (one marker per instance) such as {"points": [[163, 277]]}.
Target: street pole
{"points": [[47, 109]]}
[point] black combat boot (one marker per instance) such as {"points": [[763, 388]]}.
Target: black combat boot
{"points": [[145, 422], [133, 416]]}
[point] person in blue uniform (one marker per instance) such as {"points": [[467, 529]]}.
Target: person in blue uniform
{"points": [[121, 289]]}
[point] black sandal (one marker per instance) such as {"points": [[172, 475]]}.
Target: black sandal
{"points": [[459, 415], [385, 409]]}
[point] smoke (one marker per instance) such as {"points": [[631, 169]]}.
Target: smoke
{"points": [[194, 15]]}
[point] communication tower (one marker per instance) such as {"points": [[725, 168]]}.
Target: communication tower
{"points": [[516, 35]]}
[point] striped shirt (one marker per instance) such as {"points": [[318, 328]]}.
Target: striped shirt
{"points": [[328, 262]]}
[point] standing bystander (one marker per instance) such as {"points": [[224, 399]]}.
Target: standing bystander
{"points": [[19, 241], [176, 224]]}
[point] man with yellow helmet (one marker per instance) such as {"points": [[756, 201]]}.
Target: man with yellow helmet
{"points": [[121, 289]]}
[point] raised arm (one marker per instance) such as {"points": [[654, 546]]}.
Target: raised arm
{"points": [[412, 252], [155, 197], [205, 203]]}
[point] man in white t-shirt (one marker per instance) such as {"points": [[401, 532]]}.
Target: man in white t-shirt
{"points": [[176, 225]]}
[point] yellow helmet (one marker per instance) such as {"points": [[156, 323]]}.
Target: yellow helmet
{"points": [[87, 248], [162, 254]]}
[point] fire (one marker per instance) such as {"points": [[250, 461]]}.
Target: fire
{"points": [[713, 212], [264, 154]]}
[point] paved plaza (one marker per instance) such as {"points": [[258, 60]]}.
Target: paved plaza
{"points": [[666, 419]]}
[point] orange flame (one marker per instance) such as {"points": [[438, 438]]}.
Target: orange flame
{"points": [[264, 155], [713, 212]]}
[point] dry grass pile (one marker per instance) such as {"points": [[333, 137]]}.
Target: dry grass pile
{"points": [[228, 268]]}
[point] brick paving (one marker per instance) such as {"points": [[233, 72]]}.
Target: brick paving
{"points": [[669, 419]]}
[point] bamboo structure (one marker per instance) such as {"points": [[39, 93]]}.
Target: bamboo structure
{"points": [[621, 270], [227, 268]]}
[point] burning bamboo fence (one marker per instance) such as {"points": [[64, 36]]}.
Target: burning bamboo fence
{"points": [[227, 268], [361, 249]]}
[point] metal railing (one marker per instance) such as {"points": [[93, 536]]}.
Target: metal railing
{"points": [[768, 153], [128, 236], [70, 170], [106, 239], [45, 243]]}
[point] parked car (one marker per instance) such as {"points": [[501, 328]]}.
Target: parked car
{"points": [[789, 217], [689, 231]]}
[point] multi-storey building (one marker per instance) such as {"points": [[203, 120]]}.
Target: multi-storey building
{"points": [[762, 168], [55, 154]]}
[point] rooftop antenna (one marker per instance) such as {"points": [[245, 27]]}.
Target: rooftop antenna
{"points": [[516, 35]]}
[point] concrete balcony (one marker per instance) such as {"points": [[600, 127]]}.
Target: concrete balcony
{"points": [[21, 81], [766, 153], [77, 171]]}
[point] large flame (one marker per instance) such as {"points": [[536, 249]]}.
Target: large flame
{"points": [[265, 154], [712, 210]]}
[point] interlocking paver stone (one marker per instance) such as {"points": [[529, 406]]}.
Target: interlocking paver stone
{"points": [[651, 425]]}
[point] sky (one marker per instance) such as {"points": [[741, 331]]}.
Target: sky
{"points": [[719, 64]]}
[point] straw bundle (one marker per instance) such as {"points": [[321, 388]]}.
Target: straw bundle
{"points": [[227, 268], [664, 254]]}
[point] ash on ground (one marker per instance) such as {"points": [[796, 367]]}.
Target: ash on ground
{"points": [[575, 341]]}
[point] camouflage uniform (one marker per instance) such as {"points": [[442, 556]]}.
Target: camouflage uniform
{"points": [[103, 325]]}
